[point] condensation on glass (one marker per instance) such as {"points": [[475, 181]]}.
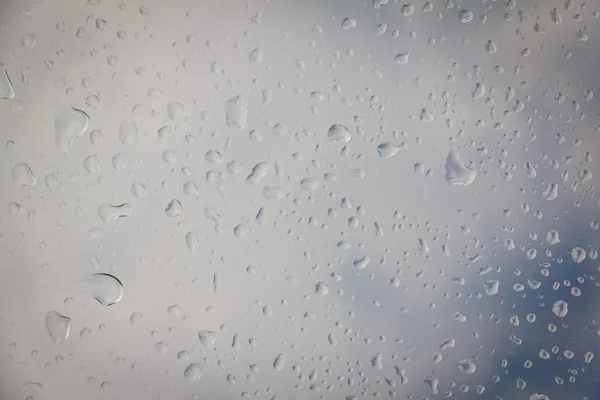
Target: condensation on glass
{"points": [[299, 199]]}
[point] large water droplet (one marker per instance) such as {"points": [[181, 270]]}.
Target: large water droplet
{"points": [[58, 326], [192, 372], [235, 112], [128, 133], [338, 134], [458, 173], [174, 208], [22, 175], [69, 123], [109, 213], [105, 288], [6, 88], [175, 110], [207, 338], [560, 308]]}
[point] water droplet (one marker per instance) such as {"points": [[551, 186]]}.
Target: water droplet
{"points": [[119, 161], [175, 110], [560, 308], [361, 262], [465, 16], [467, 366], [491, 287], [29, 40], [349, 23], [105, 288], [279, 362], [6, 88], [174, 208], [109, 213], [136, 318], [478, 90], [402, 58], [578, 254], [138, 189], [387, 150], [273, 193], [22, 175], [69, 123], [321, 289], [193, 372], [207, 338], [161, 348], [338, 134], [90, 163], [539, 396], [128, 133], [256, 56], [425, 115], [261, 218], [458, 173], [258, 173], [93, 101], [58, 326], [432, 383], [192, 240], [235, 113], [309, 184]]}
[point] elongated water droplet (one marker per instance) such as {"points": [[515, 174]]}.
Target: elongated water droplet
{"points": [[458, 173], [387, 150], [279, 362], [235, 113], [109, 213], [105, 288], [6, 88], [261, 217], [258, 173], [58, 326], [22, 175], [69, 123]]}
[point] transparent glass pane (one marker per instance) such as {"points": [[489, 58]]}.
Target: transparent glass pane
{"points": [[299, 199]]}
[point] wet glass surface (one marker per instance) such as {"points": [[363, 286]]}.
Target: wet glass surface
{"points": [[299, 199]]}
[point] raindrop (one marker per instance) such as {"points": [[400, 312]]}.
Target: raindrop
{"points": [[279, 362], [6, 88], [128, 133], [235, 113], [58, 326], [338, 134], [207, 338], [193, 372], [109, 213], [105, 288], [22, 175], [458, 173], [69, 123]]}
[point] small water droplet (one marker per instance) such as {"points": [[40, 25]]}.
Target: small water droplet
{"points": [[256, 56], [192, 240], [175, 110], [136, 318]]}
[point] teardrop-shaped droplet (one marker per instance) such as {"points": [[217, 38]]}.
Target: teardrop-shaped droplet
{"points": [[105, 288], [69, 123], [58, 326], [22, 175], [338, 134], [109, 213]]}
